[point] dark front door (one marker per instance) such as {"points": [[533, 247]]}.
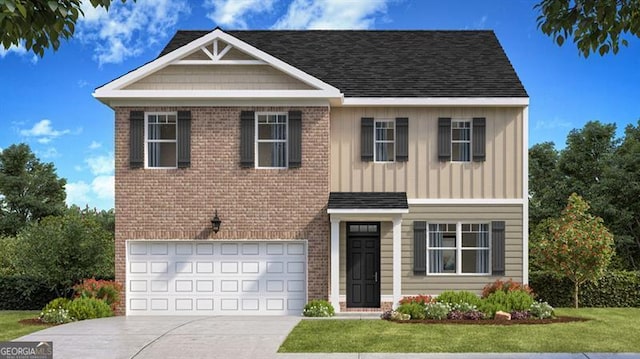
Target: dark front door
{"points": [[363, 265]]}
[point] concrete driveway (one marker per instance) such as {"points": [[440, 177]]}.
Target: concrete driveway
{"points": [[168, 337]]}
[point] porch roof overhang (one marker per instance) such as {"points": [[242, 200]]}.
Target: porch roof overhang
{"points": [[350, 203]]}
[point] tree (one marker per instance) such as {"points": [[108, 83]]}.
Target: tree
{"points": [[578, 245], [546, 185], [39, 24], [29, 189], [595, 25], [62, 250]]}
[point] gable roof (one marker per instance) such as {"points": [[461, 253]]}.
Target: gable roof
{"points": [[397, 64]]}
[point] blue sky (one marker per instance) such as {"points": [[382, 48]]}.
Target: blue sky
{"points": [[47, 103]]}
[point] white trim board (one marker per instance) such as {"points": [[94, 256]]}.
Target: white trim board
{"points": [[434, 101], [465, 201], [366, 211]]}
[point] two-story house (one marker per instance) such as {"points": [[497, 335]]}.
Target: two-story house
{"points": [[257, 170]]}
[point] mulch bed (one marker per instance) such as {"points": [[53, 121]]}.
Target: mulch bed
{"points": [[497, 322], [34, 321]]}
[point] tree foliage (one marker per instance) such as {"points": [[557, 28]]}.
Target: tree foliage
{"points": [[594, 25], [577, 246], [29, 189], [65, 249], [38, 24], [602, 169]]}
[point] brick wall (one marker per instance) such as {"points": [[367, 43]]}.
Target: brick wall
{"points": [[253, 204]]}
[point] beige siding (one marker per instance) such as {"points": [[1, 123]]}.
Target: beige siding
{"points": [[423, 176], [218, 77], [434, 284]]}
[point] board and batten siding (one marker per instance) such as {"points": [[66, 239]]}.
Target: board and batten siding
{"points": [[423, 176], [219, 77], [434, 284]]}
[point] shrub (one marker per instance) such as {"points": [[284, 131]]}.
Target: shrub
{"points": [[520, 315], [506, 301], [414, 309], [21, 292], [473, 315], [89, 308], [318, 308], [420, 298], [437, 310], [505, 286], [455, 315], [107, 290], [56, 312], [393, 315], [541, 310], [458, 297], [614, 289], [463, 307]]}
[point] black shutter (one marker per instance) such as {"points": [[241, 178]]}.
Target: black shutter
{"points": [[366, 139], [295, 139], [479, 139], [136, 139], [402, 139], [247, 138], [497, 247], [419, 247], [444, 139], [184, 139]]}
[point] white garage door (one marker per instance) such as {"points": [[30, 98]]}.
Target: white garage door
{"points": [[213, 278]]}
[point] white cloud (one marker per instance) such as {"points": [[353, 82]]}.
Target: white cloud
{"points": [[95, 145], [104, 187], [50, 152], [100, 165], [77, 193], [128, 29], [43, 131], [331, 14], [556, 123], [17, 50], [232, 13]]}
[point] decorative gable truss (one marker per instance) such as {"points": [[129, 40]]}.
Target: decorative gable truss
{"points": [[216, 66]]}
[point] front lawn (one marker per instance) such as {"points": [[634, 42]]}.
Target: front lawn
{"points": [[11, 329], [609, 330]]}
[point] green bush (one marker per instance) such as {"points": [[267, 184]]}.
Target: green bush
{"points": [[506, 301], [458, 297], [614, 289], [20, 292], [413, 309], [58, 303], [107, 290], [437, 310], [89, 308], [541, 310], [318, 308]]}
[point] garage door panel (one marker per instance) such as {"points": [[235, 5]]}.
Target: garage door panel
{"points": [[216, 278]]}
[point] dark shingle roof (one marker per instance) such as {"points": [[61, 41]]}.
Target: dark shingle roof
{"points": [[389, 63], [368, 200]]}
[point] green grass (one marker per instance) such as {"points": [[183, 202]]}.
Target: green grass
{"points": [[609, 330], [10, 328]]}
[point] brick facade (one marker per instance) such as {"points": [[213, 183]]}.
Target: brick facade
{"points": [[253, 204]]}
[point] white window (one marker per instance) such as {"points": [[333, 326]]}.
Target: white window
{"points": [[461, 140], [161, 140], [458, 248], [271, 140], [384, 141]]}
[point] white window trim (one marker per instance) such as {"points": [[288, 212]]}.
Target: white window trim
{"points": [[257, 141], [470, 121], [146, 139], [458, 249], [376, 141]]}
